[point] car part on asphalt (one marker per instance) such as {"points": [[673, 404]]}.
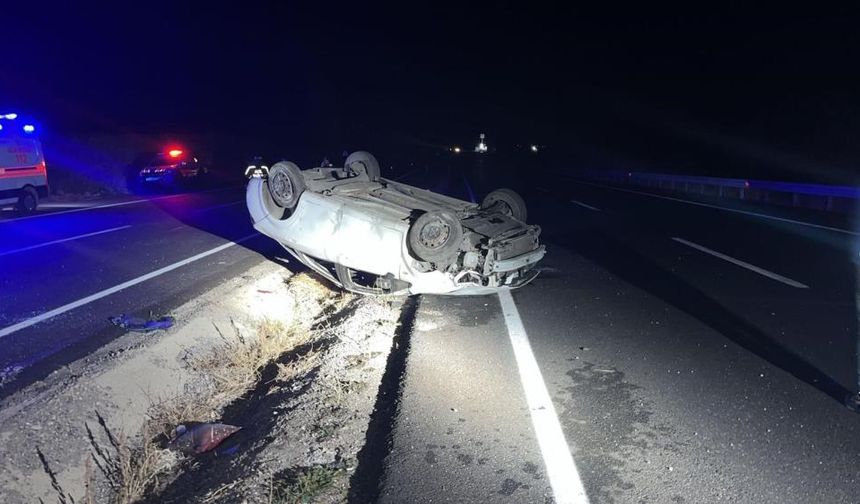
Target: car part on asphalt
{"points": [[371, 235], [138, 324]]}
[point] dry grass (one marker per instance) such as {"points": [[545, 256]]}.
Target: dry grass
{"points": [[306, 486], [301, 366], [230, 369], [339, 389], [130, 469], [235, 366], [165, 413], [314, 300], [219, 492], [309, 291]]}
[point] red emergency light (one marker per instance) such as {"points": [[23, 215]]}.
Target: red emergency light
{"points": [[174, 153]]}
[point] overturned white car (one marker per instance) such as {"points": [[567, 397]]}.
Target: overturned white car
{"points": [[371, 235]]}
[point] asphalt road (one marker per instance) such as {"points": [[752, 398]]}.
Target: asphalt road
{"points": [[687, 353], [78, 261], [691, 354]]}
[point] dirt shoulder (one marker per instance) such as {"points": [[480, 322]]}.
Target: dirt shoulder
{"points": [[294, 364]]}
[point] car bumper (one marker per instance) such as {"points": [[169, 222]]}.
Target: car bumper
{"points": [[157, 179]]}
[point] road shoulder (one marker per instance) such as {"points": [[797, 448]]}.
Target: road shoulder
{"points": [[298, 417]]}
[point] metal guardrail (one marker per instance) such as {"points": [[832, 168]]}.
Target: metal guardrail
{"points": [[814, 196]]}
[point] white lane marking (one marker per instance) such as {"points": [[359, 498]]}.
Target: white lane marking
{"points": [[67, 205], [116, 288], [717, 207], [63, 240], [566, 484], [110, 205], [583, 205], [743, 264]]}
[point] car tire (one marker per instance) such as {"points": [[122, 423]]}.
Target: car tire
{"points": [[511, 203], [286, 183], [367, 160], [28, 200], [435, 237]]}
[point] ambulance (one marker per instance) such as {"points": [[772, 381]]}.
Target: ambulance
{"points": [[23, 175]]}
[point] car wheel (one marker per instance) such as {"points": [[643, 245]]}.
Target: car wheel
{"points": [[510, 203], [28, 200], [286, 184], [435, 237], [367, 161]]}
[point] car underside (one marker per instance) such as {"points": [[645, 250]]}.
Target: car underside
{"points": [[371, 235]]}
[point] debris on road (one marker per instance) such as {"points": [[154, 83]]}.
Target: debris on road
{"points": [[9, 373], [139, 324], [201, 438]]}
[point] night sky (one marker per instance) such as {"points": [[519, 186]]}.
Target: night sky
{"points": [[771, 91]]}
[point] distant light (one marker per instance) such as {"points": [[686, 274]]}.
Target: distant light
{"points": [[534, 148], [174, 153], [29, 128], [456, 150], [481, 147], [10, 116], [1, 126]]}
